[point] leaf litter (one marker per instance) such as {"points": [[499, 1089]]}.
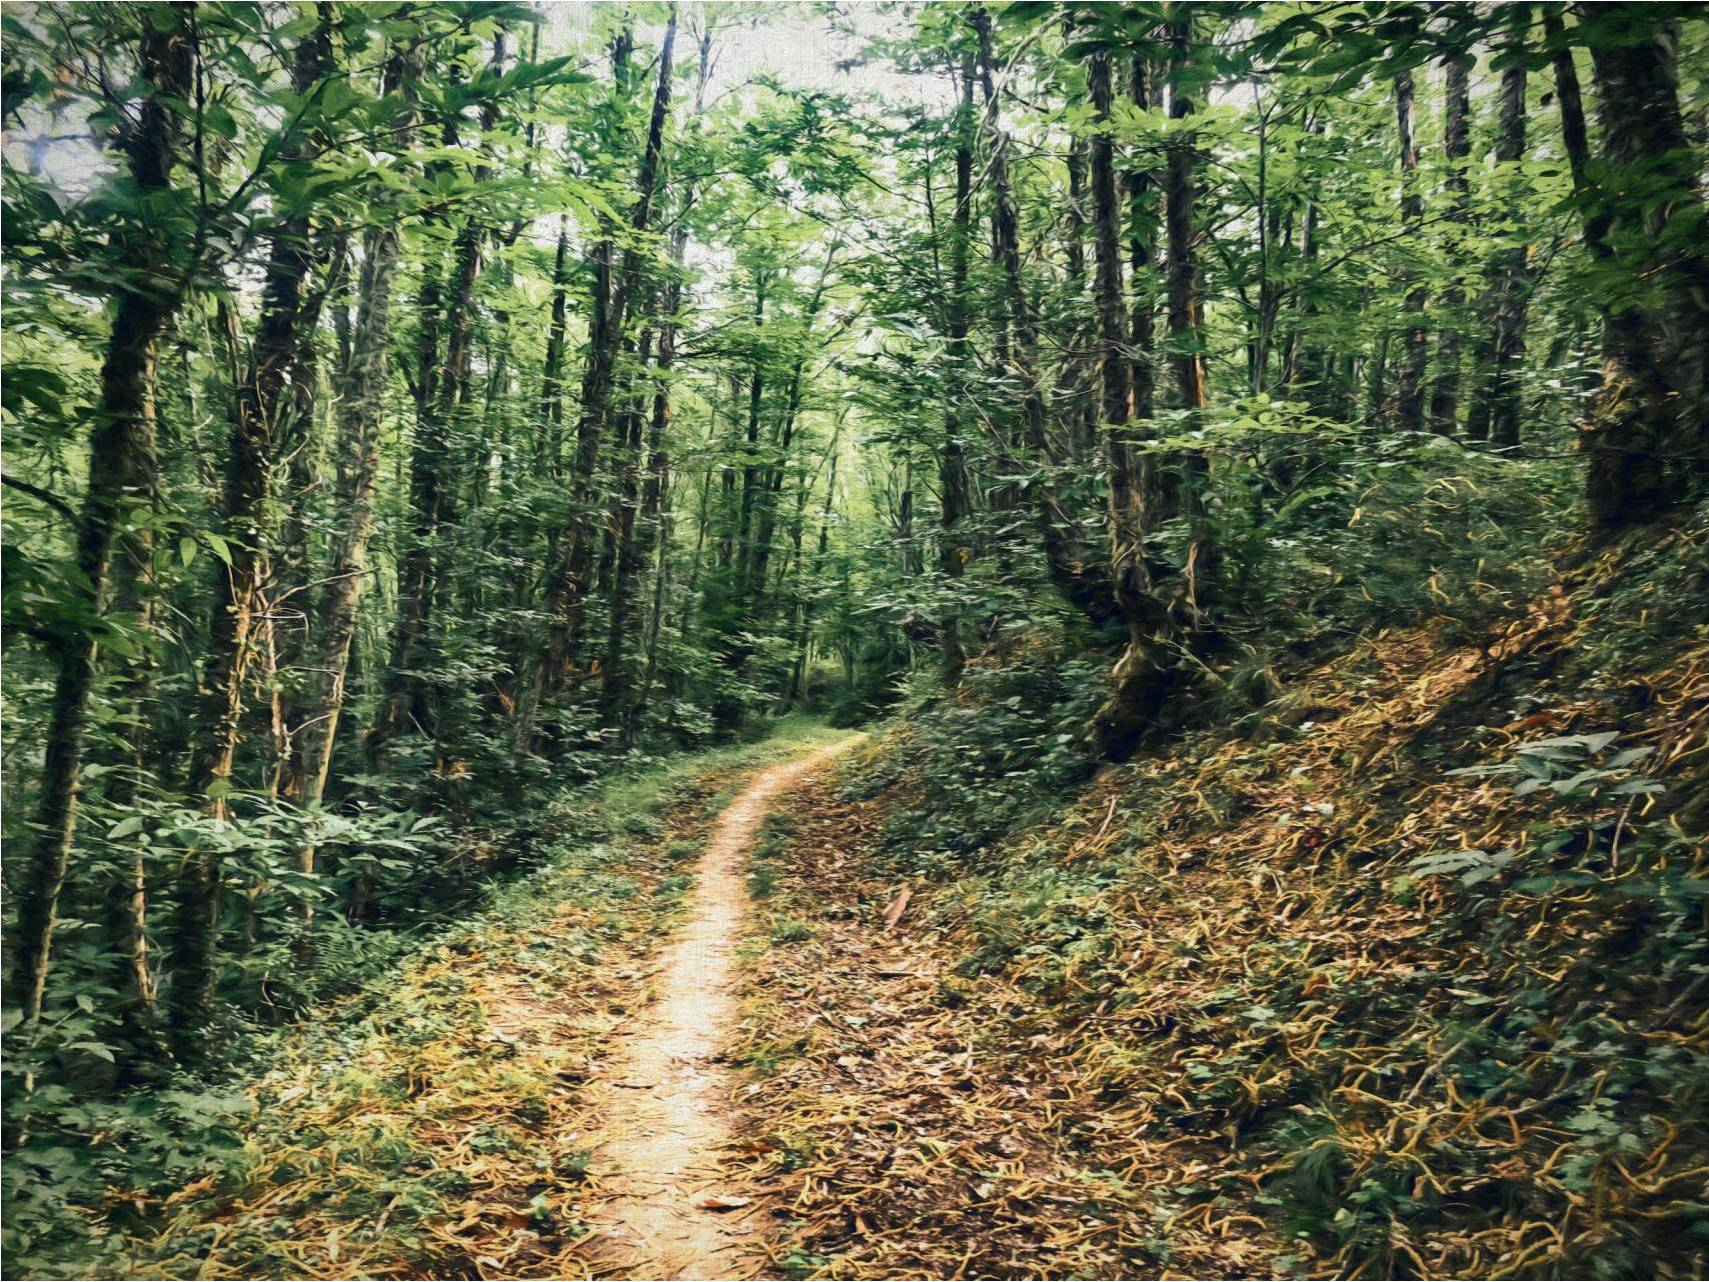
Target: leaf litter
{"points": [[1262, 1034], [452, 1131]]}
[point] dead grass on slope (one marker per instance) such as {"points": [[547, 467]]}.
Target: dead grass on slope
{"points": [[1298, 1001]]}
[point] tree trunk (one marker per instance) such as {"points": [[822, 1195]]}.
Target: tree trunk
{"points": [[442, 387], [803, 630], [776, 470], [1186, 335], [653, 532], [952, 464], [1409, 383], [750, 455], [628, 554], [1496, 415], [1147, 672], [1142, 218], [289, 568], [262, 395], [1075, 398], [361, 402], [1112, 314], [653, 535], [569, 582], [121, 474], [1456, 148], [1648, 442], [360, 405], [551, 415], [1079, 583], [1122, 717]]}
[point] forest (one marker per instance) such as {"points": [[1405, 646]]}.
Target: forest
{"points": [[855, 640]]}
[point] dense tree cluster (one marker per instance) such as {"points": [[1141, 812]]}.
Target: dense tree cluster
{"points": [[413, 407]]}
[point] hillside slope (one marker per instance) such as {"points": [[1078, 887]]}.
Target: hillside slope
{"points": [[1403, 975]]}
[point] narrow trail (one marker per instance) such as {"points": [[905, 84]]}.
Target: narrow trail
{"points": [[667, 1110]]}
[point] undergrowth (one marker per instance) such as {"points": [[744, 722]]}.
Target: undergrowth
{"points": [[356, 1141], [1404, 977]]}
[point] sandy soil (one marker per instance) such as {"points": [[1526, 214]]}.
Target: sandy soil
{"points": [[667, 1088]]}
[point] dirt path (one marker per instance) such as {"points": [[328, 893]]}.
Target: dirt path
{"points": [[667, 1103]]}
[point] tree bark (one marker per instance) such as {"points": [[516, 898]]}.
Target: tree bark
{"points": [[1456, 148], [1127, 388], [1648, 441], [1113, 366], [803, 630], [653, 533], [1158, 622], [776, 469], [1078, 582], [442, 387], [570, 579], [1186, 326], [361, 400], [1409, 384], [551, 413], [121, 474], [952, 464], [1495, 414], [263, 394], [750, 455], [628, 554]]}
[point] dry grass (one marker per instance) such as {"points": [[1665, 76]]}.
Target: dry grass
{"points": [[1216, 1022], [447, 1134]]}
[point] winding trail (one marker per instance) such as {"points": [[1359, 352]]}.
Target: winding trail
{"points": [[667, 1091]]}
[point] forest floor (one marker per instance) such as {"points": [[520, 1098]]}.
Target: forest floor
{"points": [[668, 1087], [1236, 1010], [546, 1094], [1323, 993]]}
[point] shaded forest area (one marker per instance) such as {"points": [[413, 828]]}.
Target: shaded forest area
{"points": [[1264, 446]]}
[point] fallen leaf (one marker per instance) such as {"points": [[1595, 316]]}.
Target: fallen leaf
{"points": [[898, 906]]}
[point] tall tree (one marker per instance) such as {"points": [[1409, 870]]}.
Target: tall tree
{"points": [[955, 503], [570, 579], [1649, 440], [1495, 412], [360, 406], [441, 384], [1409, 386], [1456, 149], [1132, 478], [121, 472], [1079, 582], [1185, 316], [263, 394]]}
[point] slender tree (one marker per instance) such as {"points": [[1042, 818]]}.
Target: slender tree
{"points": [[571, 578], [955, 503], [1649, 441], [1495, 412], [263, 394], [1456, 148], [121, 478], [442, 379], [360, 406], [1409, 386], [1185, 318], [1079, 583]]}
